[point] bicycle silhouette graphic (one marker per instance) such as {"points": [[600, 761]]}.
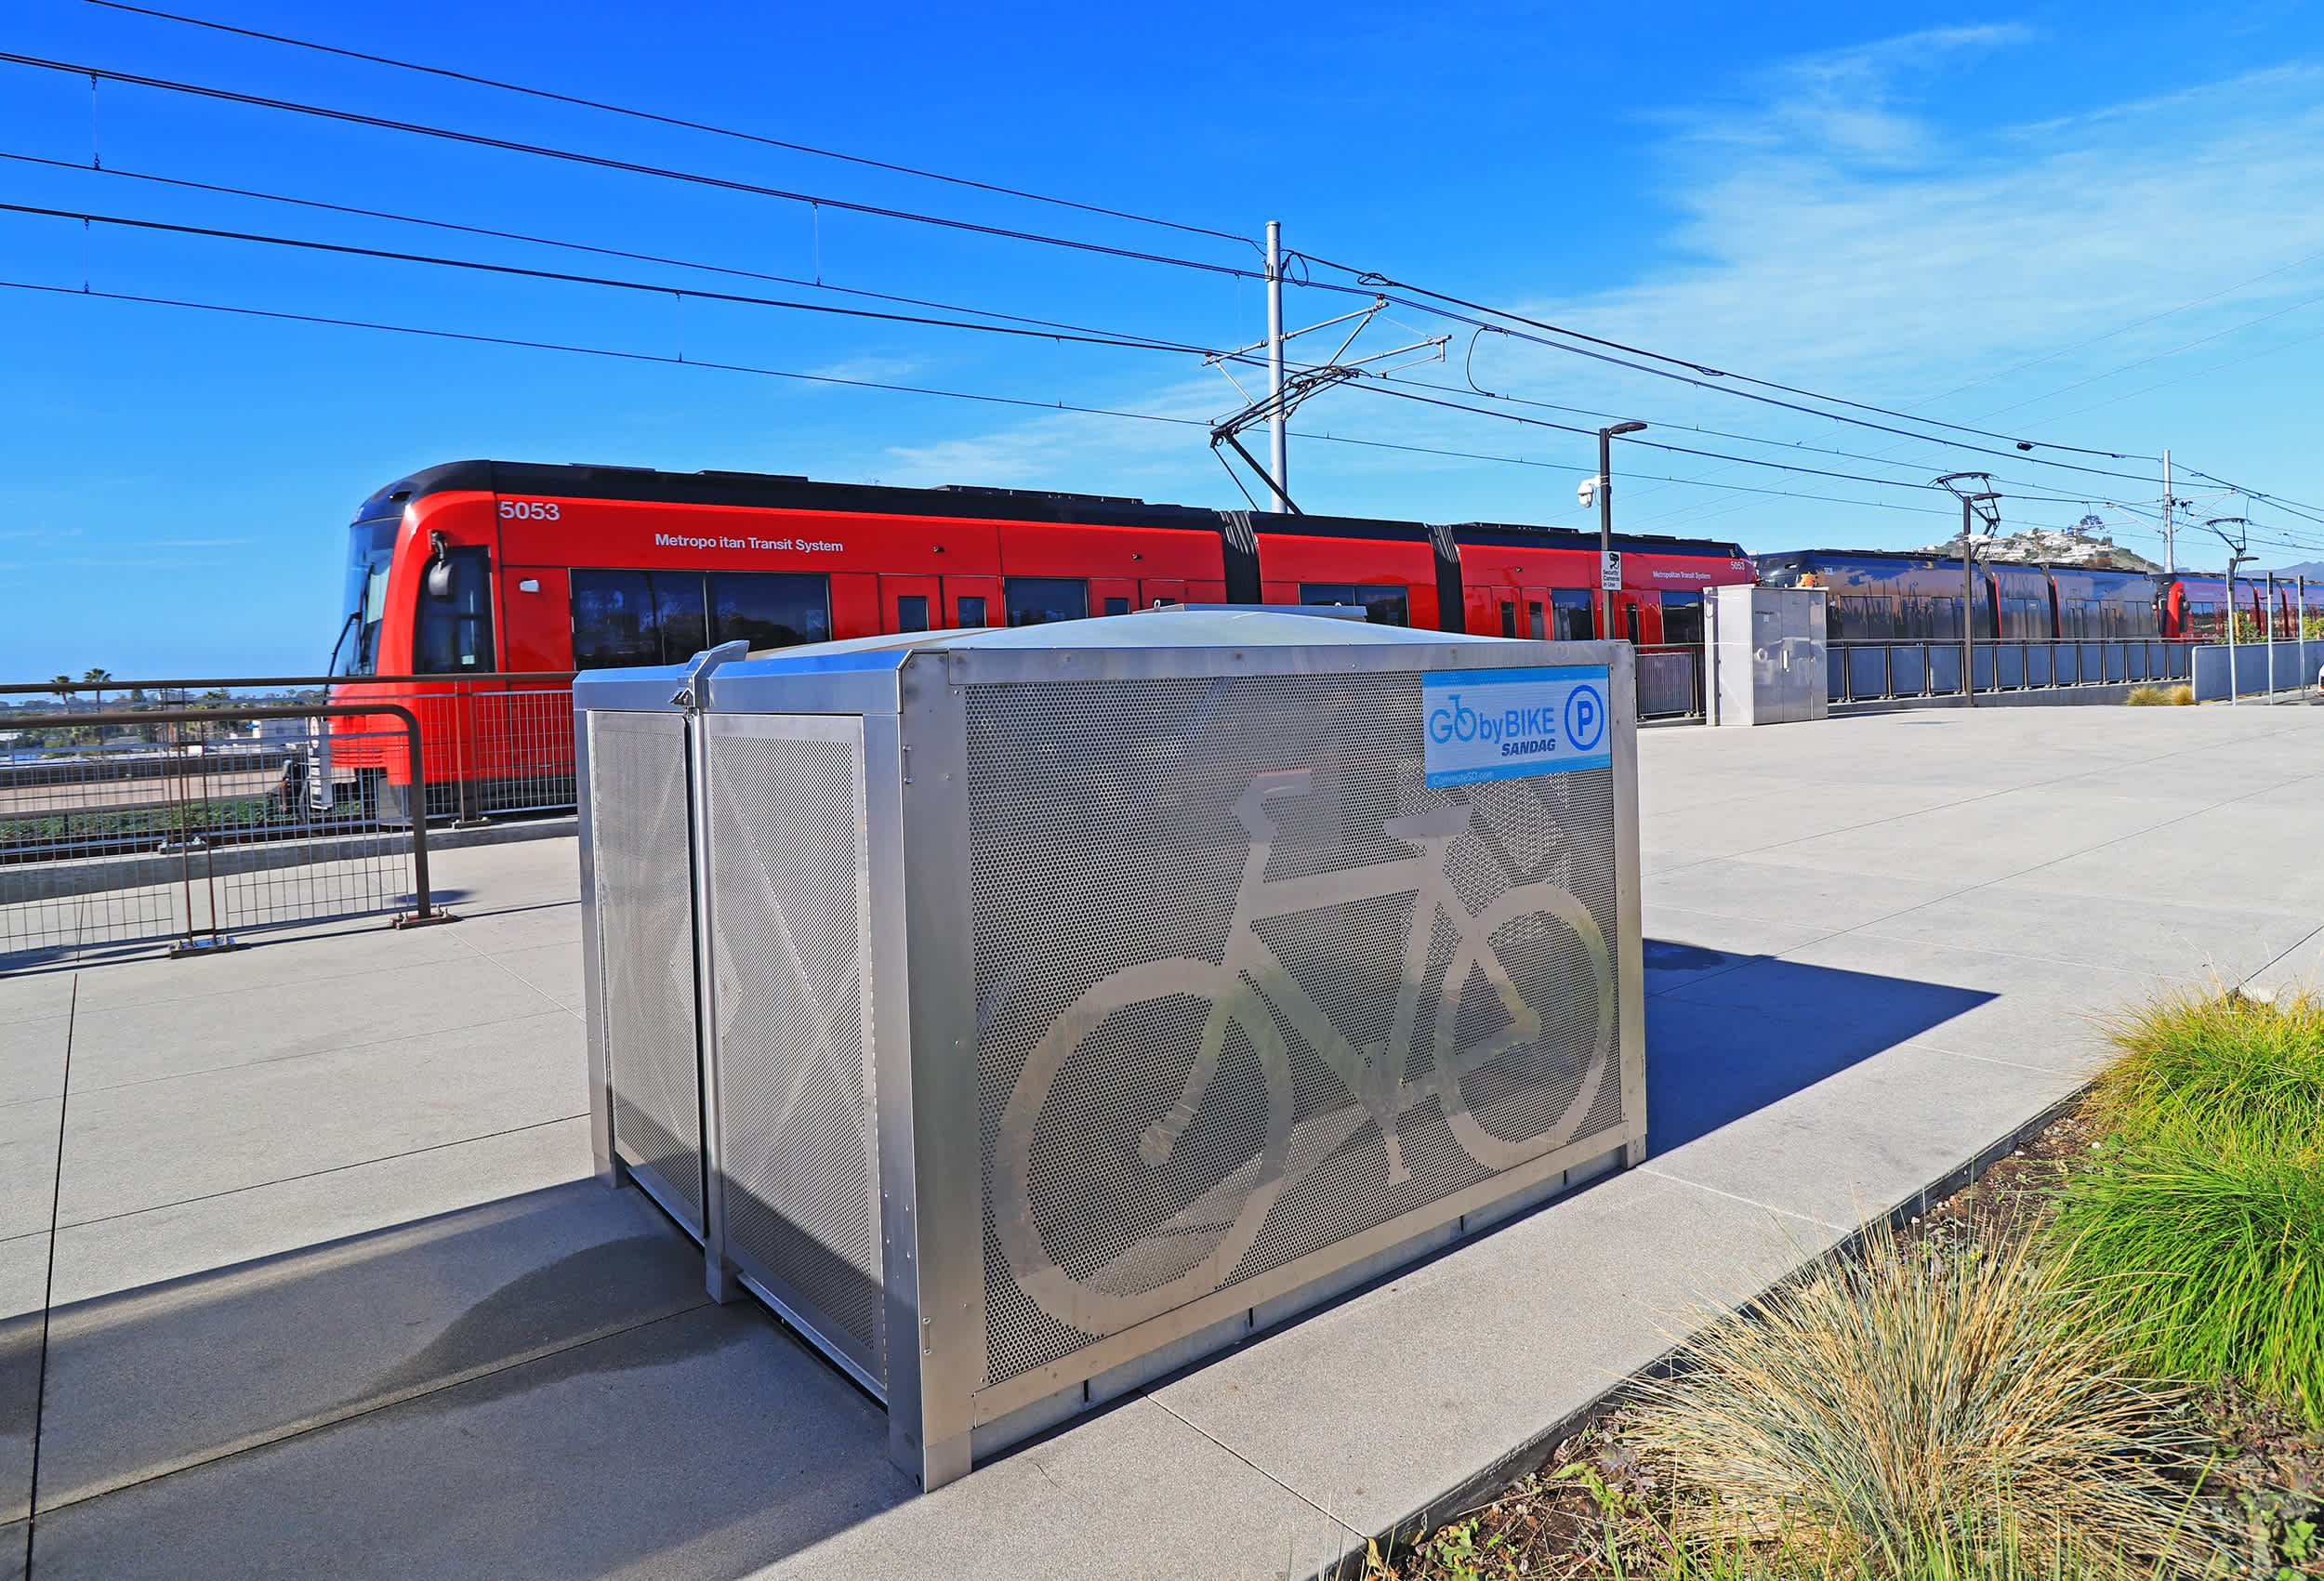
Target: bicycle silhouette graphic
{"points": [[1195, 1250]]}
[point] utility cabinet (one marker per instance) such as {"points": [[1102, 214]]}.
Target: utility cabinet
{"points": [[1023, 1013], [1764, 655]]}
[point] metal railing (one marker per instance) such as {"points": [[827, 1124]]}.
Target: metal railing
{"points": [[131, 826], [1670, 681], [495, 744], [1866, 671]]}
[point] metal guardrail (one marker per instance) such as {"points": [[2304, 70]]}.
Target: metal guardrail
{"points": [[1868, 671], [163, 834], [1670, 681], [496, 743]]}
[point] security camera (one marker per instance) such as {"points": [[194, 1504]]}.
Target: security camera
{"points": [[1587, 493]]}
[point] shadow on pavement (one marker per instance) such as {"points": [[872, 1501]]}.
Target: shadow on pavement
{"points": [[535, 1387], [1728, 1033]]}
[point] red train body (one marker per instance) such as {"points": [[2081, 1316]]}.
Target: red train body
{"points": [[485, 567]]}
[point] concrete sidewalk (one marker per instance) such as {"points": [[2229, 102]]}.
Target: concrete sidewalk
{"points": [[334, 1297]]}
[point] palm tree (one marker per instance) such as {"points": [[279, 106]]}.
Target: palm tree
{"points": [[63, 681]]}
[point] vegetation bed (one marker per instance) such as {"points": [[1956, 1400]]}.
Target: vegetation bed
{"points": [[2099, 1360]]}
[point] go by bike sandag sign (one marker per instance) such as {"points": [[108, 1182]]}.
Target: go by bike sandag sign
{"points": [[1502, 724], [1070, 1011]]}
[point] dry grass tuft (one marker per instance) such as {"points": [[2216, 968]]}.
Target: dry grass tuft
{"points": [[1899, 1405], [2152, 696]]}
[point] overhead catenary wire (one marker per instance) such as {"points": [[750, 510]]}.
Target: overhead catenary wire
{"points": [[677, 121], [533, 240], [1020, 402], [604, 162], [1133, 341], [1377, 280], [654, 288], [664, 289]]}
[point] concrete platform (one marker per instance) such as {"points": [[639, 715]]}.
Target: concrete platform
{"points": [[333, 1295]]}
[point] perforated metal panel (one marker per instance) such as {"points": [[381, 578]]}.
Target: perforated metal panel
{"points": [[645, 951], [790, 918], [1248, 986]]}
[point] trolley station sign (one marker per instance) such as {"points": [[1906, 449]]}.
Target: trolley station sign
{"points": [[1501, 724]]}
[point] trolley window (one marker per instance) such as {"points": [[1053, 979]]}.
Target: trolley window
{"points": [[665, 618], [1682, 617], [1036, 601], [455, 631], [371, 549], [1384, 604], [770, 609], [613, 620], [1577, 620]]}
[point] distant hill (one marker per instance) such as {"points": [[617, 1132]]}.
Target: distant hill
{"points": [[2043, 546], [2311, 569]]}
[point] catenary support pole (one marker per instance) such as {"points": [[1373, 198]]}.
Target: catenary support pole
{"points": [[1968, 610], [2271, 636], [2170, 560], [2233, 561], [1278, 422]]}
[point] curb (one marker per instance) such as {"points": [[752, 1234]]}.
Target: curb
{"points": [[1513, 1466]]}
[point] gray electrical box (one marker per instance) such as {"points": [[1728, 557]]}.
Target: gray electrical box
{"points": [[1764, 655], [1023, 1013]]}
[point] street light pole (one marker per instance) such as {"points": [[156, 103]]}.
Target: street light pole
{"points": [[1605, 519]]}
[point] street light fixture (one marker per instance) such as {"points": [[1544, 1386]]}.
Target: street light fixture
{"points": [[1604, 490], [1975, 504], [2236, 556]]}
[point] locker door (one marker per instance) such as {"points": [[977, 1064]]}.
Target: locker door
{"points": [[910, 603]]}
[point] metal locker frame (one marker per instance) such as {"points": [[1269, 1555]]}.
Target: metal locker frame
{"points": [[909, 698]]}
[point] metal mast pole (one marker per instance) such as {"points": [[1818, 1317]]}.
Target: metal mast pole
{"points": [[1968, 608], [2170, 560], [1278, 432], [2271, 636], [1606, 531], [2233, 561]]}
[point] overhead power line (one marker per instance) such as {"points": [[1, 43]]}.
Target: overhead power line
{"points": [[121, 173], [678, 121], [1373, 279], [1701, 376], [1127, 342], [602, 161], [1018, 402]]}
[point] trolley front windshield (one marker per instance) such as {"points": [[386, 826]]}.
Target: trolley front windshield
{"points": [[371, 545]]}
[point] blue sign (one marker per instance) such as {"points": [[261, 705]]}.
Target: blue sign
{"points": [[1499, 724]]}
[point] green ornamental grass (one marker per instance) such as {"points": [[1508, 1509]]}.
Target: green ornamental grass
{"points": [[2206, 1251], [2253, 1069], [2199, 1229]]}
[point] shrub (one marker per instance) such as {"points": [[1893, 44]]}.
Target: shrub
{"points": [[2204, 1249], [2152, 696], [1902, 1405], [2216, 1062]]}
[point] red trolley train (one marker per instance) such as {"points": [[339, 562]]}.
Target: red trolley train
{"points": [[483, 568]]}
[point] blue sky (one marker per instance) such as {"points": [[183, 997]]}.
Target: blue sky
{"points": [[2092, 226]]}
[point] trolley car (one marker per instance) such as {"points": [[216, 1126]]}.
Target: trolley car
{"points": [[479, 569]]}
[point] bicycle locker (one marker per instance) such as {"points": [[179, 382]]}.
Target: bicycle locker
{"points": [[1054, 1005]]}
